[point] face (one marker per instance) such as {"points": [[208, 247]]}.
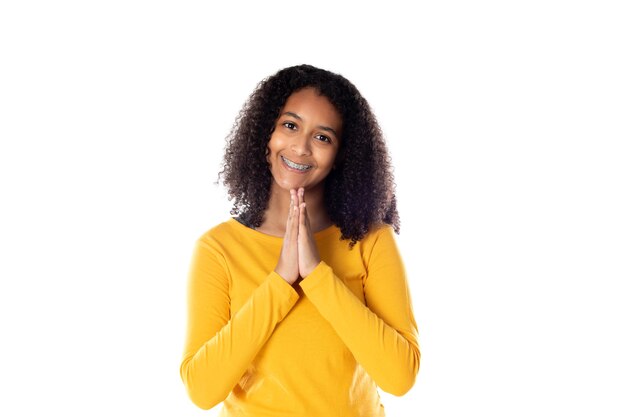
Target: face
{"points": [[305, 141]]}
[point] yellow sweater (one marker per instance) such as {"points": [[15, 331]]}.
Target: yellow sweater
{"points": [[318, 348]]}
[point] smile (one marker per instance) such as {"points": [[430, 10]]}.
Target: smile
{"points": [[293, 165]]}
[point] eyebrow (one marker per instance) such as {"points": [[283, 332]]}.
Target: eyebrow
{"points": [[326, 128]]}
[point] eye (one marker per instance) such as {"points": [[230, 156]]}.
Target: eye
{"points": [[289, 125], [324, 138]]}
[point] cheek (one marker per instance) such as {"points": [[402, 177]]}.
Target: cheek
{"points": [[271, 149], [275, 143], [330, 158]]}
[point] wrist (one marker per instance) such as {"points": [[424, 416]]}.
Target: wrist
{"points": [[308, 271], [284, 275]]}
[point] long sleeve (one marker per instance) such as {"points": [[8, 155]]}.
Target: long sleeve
{"points": [[381, 334], [218, 347]]}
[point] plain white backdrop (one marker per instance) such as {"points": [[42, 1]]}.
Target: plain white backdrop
{"points": [[506, 126]]}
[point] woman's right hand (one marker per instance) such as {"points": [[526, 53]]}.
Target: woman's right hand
{"points": [[287, 266]]}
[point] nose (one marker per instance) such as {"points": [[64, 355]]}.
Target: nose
{"points": [[301, 145]]}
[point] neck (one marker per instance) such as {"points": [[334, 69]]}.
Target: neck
{"points": [[275, 219]]}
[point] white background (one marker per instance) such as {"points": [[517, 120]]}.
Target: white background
{"points": [[506, 126]]}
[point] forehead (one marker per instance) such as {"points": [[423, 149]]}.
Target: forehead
{"points": [[311, 106]]}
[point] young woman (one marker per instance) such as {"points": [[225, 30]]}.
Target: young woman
{"points": [[299, 305]]}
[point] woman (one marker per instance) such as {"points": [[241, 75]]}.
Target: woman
{"points": [[299, 306]]}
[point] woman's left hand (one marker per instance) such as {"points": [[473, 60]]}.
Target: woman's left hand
{"points": [[308, 256]]}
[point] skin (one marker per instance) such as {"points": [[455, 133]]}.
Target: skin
{"points": [[307, 132]]}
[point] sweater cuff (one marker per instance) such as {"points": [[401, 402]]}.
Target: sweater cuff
{"points": [[286, 292], [322, 273]]}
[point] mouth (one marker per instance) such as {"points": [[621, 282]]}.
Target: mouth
{"points": [[295, 166]]}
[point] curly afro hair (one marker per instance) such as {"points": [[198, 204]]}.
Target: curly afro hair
{"points": [[359, 193]]}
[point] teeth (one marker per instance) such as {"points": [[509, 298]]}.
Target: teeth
{"points": [[294, 165]]}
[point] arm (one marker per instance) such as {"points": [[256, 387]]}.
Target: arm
{"points": [[219, 348], [381, 335]]}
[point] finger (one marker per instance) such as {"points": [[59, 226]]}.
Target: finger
{"points": [[293, 226], [306, 217], [290, 213], [302, 205], [296, 195], [303, 217]]}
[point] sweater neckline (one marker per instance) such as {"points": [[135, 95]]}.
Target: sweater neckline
{"points": [[255, 233]]}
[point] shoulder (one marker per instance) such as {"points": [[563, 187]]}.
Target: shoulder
{"points": [[218, 235], [380, 234], [378, 231], [218, 230]]}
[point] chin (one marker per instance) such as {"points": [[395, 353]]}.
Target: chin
{"points": [[288, 185]]}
